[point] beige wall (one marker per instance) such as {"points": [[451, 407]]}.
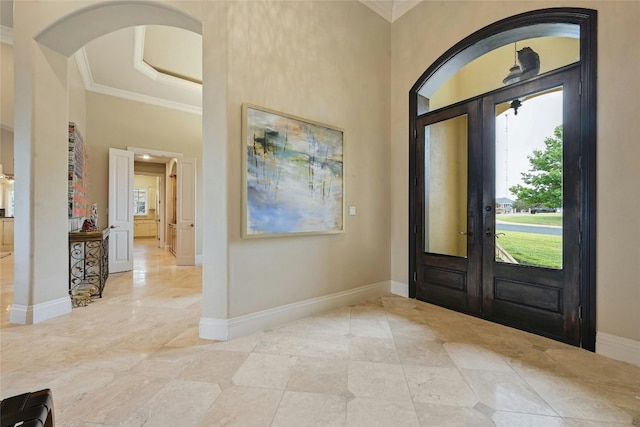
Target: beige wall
{"points": [[6, 151], [6, 85], [338, 63], [428, 30], [328, 62], [77, 97]]}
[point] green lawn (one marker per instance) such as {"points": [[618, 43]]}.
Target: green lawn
{"points": [[538, 219], [540, 250]]}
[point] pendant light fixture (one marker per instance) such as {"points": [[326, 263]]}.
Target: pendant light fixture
{"points": [[514, 72]]}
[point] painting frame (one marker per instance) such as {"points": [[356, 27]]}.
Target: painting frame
{"points": [[292, 175]]}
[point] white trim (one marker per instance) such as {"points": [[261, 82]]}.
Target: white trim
{"points": [[399, 8], [213, 329], [141, 65], [152, 100], [6, 35], [400, 289], [156, 153], [27, 315], [90, 85], [224, 329], [83, 67], [618, 348], [199, 259]]}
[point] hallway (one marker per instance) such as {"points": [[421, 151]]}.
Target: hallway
{"points": [[134, 358]]}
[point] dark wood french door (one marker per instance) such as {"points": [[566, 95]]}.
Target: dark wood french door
{"points": [[479, 251]]}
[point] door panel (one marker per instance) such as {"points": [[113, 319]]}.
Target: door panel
{"points": [[120, 210], [186, 212], [472, 254], [539, 290], [450, 253]]}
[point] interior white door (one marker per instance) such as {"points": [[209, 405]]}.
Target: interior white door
{"points": [[120, 210], [186, 212]]}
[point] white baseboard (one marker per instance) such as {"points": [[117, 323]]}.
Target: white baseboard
{"points": [[198, 259], [224, 329], [618, 348], [400, 289], [27, 315]]}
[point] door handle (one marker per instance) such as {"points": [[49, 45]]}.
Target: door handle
{"points": [[496, 235], [113, 226], [465, 233]]}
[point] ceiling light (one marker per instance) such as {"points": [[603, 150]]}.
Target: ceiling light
{"points": [[146, 156], [514, 72]]}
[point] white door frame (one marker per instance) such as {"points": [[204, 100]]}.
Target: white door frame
{"points": [[178, 157], [160, 201]]}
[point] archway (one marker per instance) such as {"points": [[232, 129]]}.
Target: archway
{"points": [[45, 35]]}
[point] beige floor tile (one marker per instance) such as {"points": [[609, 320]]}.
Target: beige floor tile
{"points": [[312, 344], [575, 398], [444, 415], [506, 391], [380, 413], [378, 381], [319, 375], [374, 328], [436, 385], [417, 351], [215, 366], [373, 350], [510, 419], [134, 357], [265, 370], [178, 403], [243, 407], [298, 409], [471, 356]]}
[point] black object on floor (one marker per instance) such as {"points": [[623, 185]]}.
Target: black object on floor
{"points": [[28, 410]]}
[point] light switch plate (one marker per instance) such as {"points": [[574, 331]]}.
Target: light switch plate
{"points": [[352, 210]]}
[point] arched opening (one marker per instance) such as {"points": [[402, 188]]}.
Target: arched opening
{"points": [[457, 114], [41, 269]]}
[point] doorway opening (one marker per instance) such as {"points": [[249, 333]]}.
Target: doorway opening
{"points": [[502, 199]]}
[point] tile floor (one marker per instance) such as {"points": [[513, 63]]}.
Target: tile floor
{"points": [[134, 358]]}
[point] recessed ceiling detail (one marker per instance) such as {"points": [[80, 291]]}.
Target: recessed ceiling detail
{"points": [[175, 51], [173, 75], [113, 65]]}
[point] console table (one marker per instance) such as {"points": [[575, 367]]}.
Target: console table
{"points": [[88, 261]]}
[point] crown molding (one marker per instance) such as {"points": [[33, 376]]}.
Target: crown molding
{"points": [[399, 8], [83, 66], [382, 8], [6, 34], [91, 86], [146, 99]]}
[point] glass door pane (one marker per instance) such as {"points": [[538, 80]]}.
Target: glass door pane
{"points": [[445, 211], [528, 180]]}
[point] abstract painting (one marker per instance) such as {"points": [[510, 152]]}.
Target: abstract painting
{"points": [[293, 180]]}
